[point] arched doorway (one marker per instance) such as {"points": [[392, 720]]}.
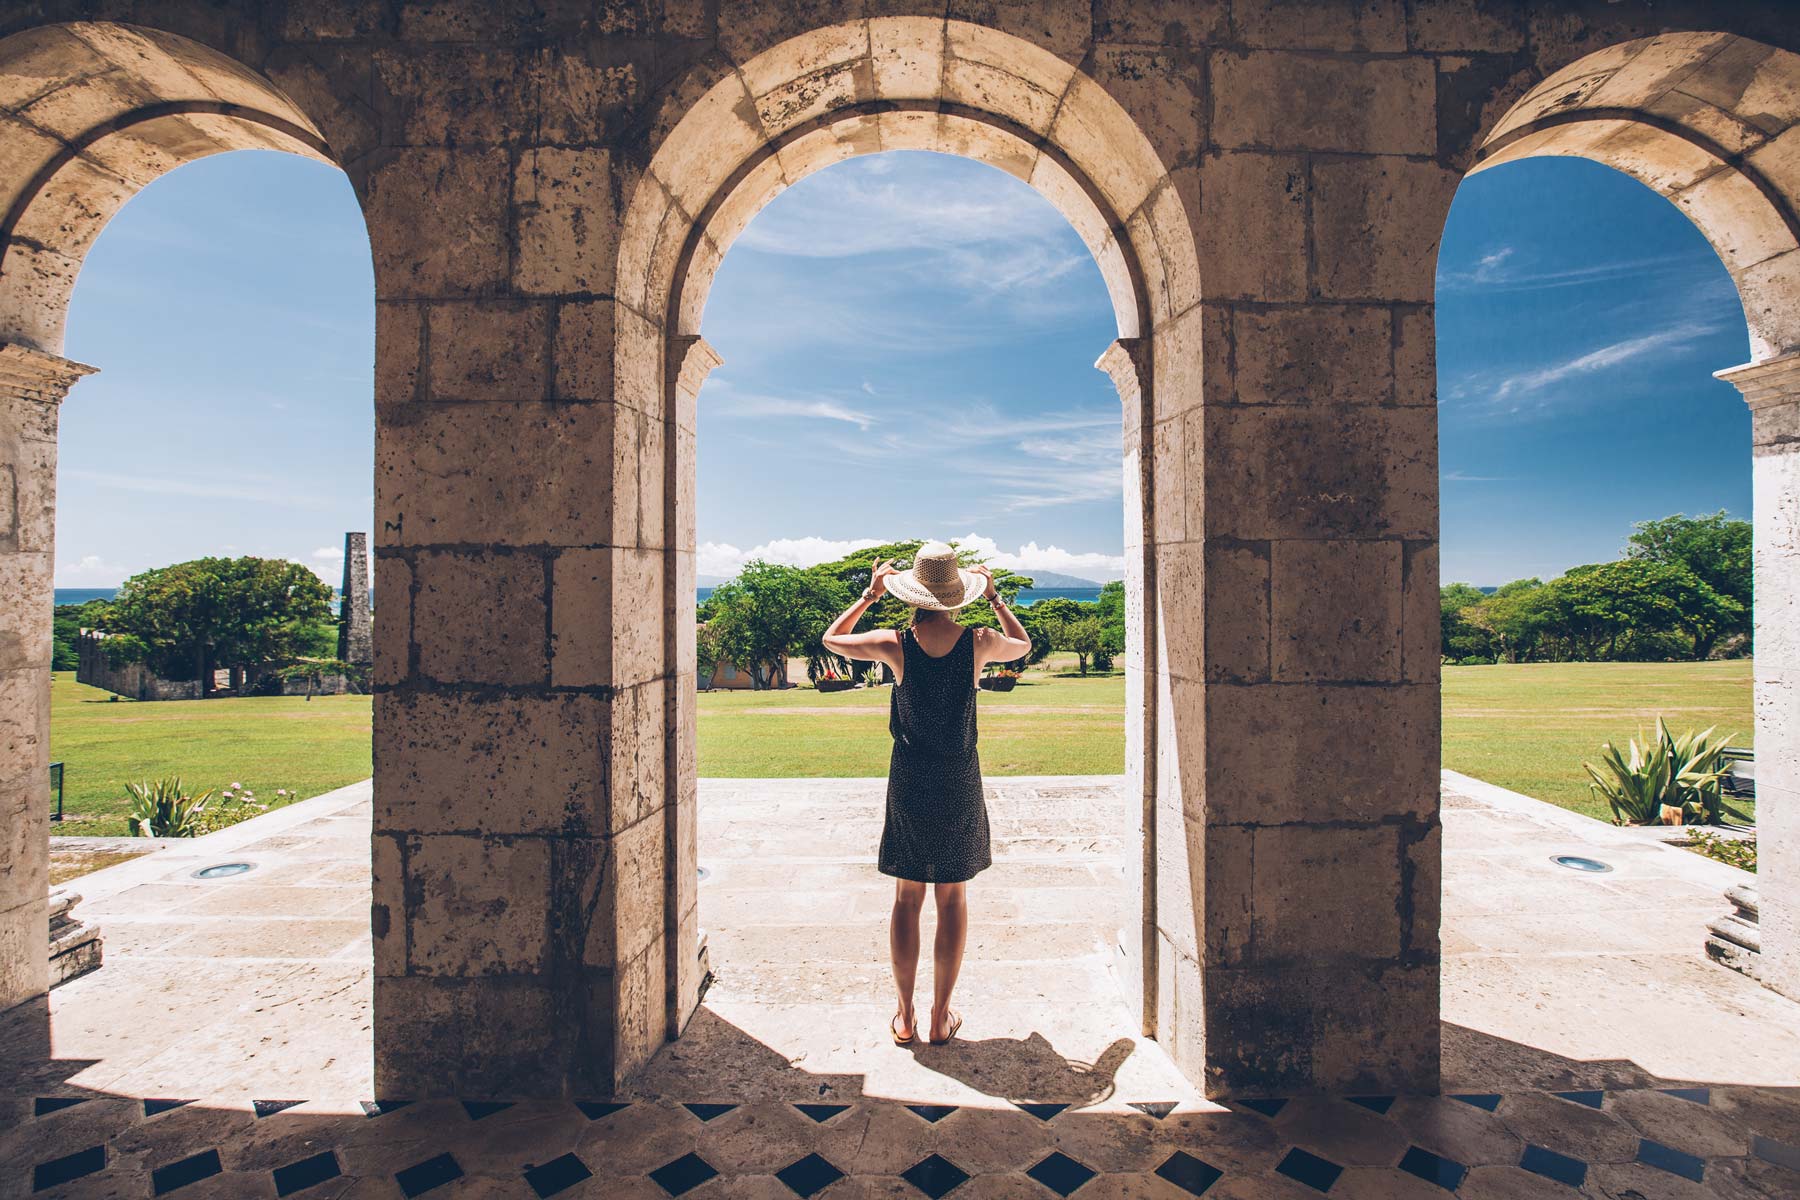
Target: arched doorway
{"points": [[1708, 121], [95, 111]]}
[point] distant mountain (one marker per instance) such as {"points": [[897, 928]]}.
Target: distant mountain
{"points": [[1054, 579]]}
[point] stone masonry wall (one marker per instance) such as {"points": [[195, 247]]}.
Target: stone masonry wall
{"points": [[534, 463]]}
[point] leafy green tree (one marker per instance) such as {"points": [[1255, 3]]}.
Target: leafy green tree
{"points": [[1512, 618], [1596, 607], [1716, 549], [187, 620], [67, 622], [769, 612], [1080, 636], [1461, 640], [1109, 610]]}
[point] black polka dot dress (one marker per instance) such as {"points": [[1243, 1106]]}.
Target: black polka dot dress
{"points": [[937, 821]]}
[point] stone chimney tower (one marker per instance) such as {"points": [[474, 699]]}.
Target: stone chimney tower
{"points": [[355, 645]]}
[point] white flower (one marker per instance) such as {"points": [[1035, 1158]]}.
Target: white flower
{"points": [[235, 784]]}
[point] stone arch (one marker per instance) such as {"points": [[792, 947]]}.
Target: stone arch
{"points": [[906, 83], [90, 112], [1711, 121]]}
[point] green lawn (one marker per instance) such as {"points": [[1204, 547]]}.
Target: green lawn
{"points": [[1050, 724], [1523, 727], [263, 742], [1529, 726]]}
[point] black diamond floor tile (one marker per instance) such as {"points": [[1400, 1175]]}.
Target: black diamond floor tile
{"points": [[708, 1112], [1042, 1112], [593, 1110], [1375, 1104], [1779, 1153], [420, 1178], [1155, 1108], [1188, 1173], [683, 1174], [1061, 1174], [478, 1109], [557, 1175], [1447, 1173], [44, 1105], [1697, 1095], [268, 1108], [192, 1169], [1482, 1100], [375, 1108], [821, 1113], [1551, 1165], [935, 1176], [298, 1176], [1315, 1172], [933, 1112], [69, 1166], [1667, 1158], [1591, 1099], [1267, 1107], [152, 1107], [809, 1176]]}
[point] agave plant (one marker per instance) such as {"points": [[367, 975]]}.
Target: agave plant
{"points": [[163, 809], [1684, 773]]}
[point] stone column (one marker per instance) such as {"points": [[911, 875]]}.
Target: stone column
{"points": [[690, 360], [355, 644], [1772, 389], [1127, 363], [1296, 577], [32, 387]]}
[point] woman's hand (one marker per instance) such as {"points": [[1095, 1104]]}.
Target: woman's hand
{"points": [[988, 575], [878, 577]]}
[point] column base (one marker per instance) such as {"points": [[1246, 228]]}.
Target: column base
{"points": [[75, 947]]}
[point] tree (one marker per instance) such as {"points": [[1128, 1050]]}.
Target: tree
{"points": [[1460, 638], [187, 620], [769, 612], [1594, 607], [1511, 618], [1717, 551], [1109, 610]]}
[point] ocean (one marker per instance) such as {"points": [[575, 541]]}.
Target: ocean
{"points": [[83, 595], [1025, 598]]}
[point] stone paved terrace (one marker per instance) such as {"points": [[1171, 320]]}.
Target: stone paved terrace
{"points": [[256, 989]]}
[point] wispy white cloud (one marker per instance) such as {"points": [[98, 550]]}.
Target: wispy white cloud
{"points": [[1611, 355], [268, 491], [723, 560], [90, 570], [723, 399], [1465, 477]]}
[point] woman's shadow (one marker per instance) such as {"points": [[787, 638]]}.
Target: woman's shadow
{"points": [[1026, 1070]]}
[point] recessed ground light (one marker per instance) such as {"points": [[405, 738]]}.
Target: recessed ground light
{"points": [[1575, 862], [223, 870]]}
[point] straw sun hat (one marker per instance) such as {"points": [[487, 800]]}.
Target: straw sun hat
{"points": [[935, 581]]}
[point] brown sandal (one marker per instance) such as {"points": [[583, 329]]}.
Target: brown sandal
{"points": [[894, 1029], [955, 1025]]}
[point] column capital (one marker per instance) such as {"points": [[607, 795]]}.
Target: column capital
{"points": [[1127, 361], [1772, 381], [35, 375], [691, 359]]}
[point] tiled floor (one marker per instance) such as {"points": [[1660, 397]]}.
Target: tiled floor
{"points": [[1676, 1077], [1638, 1144]]}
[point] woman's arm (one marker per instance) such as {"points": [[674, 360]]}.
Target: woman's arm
{"points": [[1011, 641], [877, 645]]}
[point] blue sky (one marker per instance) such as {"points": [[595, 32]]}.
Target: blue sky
{"points": [[910, 335]]}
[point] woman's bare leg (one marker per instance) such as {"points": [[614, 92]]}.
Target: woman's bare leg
{"points": [[947, 952], [903, 946]]}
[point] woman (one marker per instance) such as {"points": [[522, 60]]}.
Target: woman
{"points": [[937, 825]]}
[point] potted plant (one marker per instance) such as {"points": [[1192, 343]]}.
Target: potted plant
{"points": [[830, 681], [1000, 679]]}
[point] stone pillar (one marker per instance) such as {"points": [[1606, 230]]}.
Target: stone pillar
{"points": [[1127, 363], [1296, 577], [690, 360], [32, 387], [1772, 389], [355, 639]]}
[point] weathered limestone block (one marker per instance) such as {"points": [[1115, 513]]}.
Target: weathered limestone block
{"points": [[487, 351], [1370, 25], [437, 220], [1336, 611], [480, 618], [1273, 100]]}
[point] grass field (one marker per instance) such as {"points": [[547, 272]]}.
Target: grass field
{"points": [[1523, 727], [1529, 726], [263, 742], [1052, 723]]}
